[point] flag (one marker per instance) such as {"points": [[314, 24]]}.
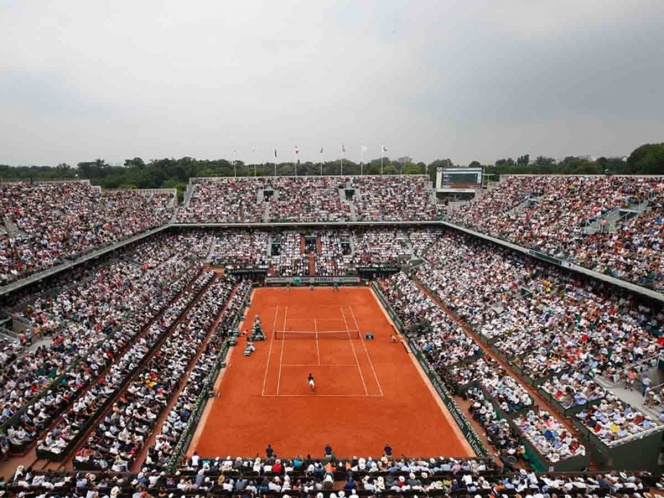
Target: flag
{"points": [[384, 149], [364, 148], [343, 148], [275, 152], [234, 152], [253, 149], [321, 150], [297, 150]]}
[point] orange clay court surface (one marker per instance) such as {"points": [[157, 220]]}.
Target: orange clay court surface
{"points": [[367, 393]]}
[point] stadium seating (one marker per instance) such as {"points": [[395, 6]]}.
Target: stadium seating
{"points": [[87, 385], [52, 222], [611, 224], [310, 199]]}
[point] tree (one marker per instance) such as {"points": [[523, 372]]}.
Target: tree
{"points": [[136, 162], [647, 159]]}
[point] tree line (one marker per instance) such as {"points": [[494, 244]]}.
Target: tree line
{"points": [[647, 159]]}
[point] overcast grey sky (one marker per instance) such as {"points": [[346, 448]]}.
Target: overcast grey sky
{"points": [[471, 79]]}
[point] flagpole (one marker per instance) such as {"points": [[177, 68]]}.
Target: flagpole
{"points": [[381, 162]]}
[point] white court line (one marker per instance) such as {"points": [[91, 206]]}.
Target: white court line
{"points": [[281, 357], [317, 347], [269, 353], [366, 351], [315, 332], [314, 395], [314, 365], [354, 353]]}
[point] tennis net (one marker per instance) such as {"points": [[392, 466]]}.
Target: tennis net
{"points": [[316, 334]]}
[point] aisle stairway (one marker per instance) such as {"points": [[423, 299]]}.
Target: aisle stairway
{"points": [[312, 265]]}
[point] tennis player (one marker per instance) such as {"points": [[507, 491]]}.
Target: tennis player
{"points": [[310, 381]]}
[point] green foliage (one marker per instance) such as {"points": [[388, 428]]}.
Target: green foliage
{"points": [[647, 159]]}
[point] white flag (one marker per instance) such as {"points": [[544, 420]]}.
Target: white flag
{"points": [[253, 149], [364, 148], [384, 149]]}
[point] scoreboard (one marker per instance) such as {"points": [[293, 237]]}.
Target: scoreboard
{"points": [[455, 179]]}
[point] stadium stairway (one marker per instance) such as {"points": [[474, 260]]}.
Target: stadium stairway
{"points": [[353, 212]]}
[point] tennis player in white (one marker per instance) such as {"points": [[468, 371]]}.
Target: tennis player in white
{"points": [[311, 382]]}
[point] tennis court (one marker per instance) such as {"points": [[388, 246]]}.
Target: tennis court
{"points": [[367, 392]]}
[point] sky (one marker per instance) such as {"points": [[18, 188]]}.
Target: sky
{"points": [[430, 79]]}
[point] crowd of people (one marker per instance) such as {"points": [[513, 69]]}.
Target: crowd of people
{"points": [[94, 401], [316, 478], [52, 222], [554, 214], [515, 302], [195, 392], [551, 438], [224, 200], [434, 332], [395, 198], [502, 294], [574, 389], [96, 329], [241, 249], [82, 328], [613, 421], [119, 438], [310, 199]]}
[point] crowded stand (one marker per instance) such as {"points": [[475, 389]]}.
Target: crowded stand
{"points": [[598, 331], [307, 476], [124, 431], [497, 429], [335, 253], [614, 422], [308, 199], [58, 221], [394, 198], [195, 391], [126, 352], [241, 249], [94, 401], [442, 340], [553, 214], [419, 313], [633, 251], [289, 260], [552, 439], [574, 389], [487, 374], [224, 200], [88, 324], [381, 247]]}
